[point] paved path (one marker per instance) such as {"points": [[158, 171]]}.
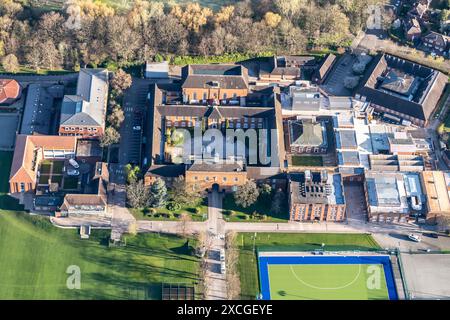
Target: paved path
{"points": [[122, 219], [215, 281]]}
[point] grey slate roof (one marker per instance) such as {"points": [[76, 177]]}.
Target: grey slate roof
{"points": [[424, 101], [202, 76], [88, 106]]}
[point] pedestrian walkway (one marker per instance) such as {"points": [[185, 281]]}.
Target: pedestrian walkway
{"points": [[215, 279]]}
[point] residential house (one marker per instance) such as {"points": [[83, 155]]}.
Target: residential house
{"points": [[413, 31], [419, 9], [436, 42], [84, 114]]}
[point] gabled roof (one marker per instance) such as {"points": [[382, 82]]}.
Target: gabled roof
{"points": [[413, 26], [71, 200], [227, 76], [27, 145], [9, 90], [166, 171], [437, 38], [88, 106], [325, 67], [206, 111]]}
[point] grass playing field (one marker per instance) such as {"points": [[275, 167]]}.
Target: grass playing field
{"points": [[324, 282], [34, 258]]}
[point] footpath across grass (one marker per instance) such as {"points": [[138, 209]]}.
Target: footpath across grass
{"points": [[249, 245], [36, 255]]}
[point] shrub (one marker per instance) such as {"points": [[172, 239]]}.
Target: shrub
{"points": [[173, 206], [198, 210]]}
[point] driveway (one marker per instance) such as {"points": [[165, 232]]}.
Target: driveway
{"points": [[134, 106]]}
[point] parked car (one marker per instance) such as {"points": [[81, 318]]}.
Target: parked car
{"points": [[73, 172], [222, 268], [222, 255], [431, 235], [74, 163], [137, 128], [414, 237]]}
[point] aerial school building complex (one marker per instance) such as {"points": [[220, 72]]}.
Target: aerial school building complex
{"points": [[320, 139], [312, 136]]}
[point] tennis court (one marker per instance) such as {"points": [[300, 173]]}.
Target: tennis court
{"points": [[367, 277]]}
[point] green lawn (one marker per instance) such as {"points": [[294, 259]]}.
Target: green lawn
{"points": [[43, 178], [307, 161], [325, 282], [70, 183], [35, 256], [45, 167], [58, 167], [245, 214], [163, 214], [247, 267]]}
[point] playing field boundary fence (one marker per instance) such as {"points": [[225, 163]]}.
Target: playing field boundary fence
{"points": [[402, 274]]}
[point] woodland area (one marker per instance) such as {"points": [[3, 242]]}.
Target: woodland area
{"points": [[86, 32]]}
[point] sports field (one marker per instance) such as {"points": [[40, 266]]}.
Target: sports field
{"points": [[35, 257], [327, 278]]}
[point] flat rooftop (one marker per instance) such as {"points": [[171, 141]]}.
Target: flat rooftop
{"points": [[316, 187]]}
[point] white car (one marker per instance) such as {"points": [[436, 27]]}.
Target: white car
{"points": [[73, 172], [74, 163], [222, 268], [414, 237], [137, 128]]}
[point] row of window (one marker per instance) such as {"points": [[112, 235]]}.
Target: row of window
{"points": [[224, 179], [80, 129], [205, 96], [231, 125], [187, 118]]}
